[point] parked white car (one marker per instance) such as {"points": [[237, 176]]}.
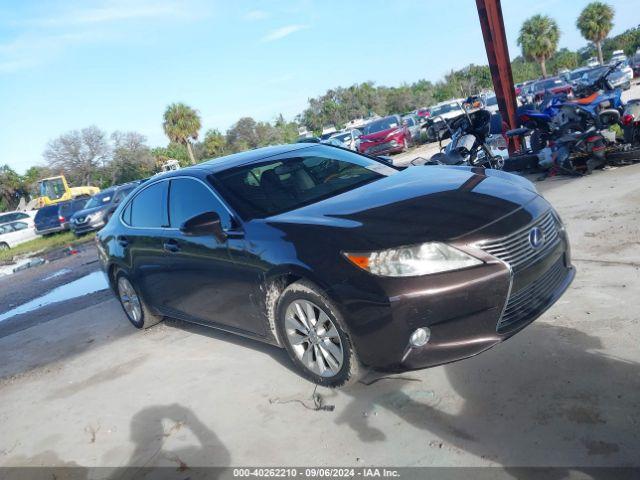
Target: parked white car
{"points": [[28, 216], [349, 138], [15, 233]]}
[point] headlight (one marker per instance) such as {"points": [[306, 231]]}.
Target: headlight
{"points": [[424, 259]]}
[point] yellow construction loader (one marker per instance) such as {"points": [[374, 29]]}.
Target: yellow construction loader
{"points": [[54, 190]]}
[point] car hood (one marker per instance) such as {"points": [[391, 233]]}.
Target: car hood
{"points": [[426, 203], [378, 136]]}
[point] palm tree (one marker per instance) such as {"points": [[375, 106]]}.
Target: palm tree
{"points": [[538, 38], [182, 124], [595, 22]]}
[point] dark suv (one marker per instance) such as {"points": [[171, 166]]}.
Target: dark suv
{"points": [[55, 218], [97, 211]]}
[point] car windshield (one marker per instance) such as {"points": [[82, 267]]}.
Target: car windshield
{"points": [[98, 199], [548, 84], [576, 74], [52, 188], [260, 190], [343, 137], [386, 123], [442, 109], [594, 74]]}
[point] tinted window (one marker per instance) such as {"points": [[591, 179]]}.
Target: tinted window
{"points": [[69, 208], [19, 226], [149, 207], [188, 198], [263, 189], [8, 217], [47, 212]]}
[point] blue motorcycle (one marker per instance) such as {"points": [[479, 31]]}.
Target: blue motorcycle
{"points": [[598, 105]]}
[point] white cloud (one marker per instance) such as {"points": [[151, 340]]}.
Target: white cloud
{"points": [[283, 32], [253, 15]]}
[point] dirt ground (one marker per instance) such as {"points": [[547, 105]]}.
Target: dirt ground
{"points": [[80, 386]]}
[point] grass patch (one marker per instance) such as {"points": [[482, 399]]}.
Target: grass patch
{"points": [[45, 244]]}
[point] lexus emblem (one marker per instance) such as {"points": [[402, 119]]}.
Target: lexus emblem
{"points": [[536, 237]]}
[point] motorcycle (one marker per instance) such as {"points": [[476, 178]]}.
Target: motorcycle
{"points": [[559, 116], [468, 146]]}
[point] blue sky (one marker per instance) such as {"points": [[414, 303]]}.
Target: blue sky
{"points": [[116, 64]]}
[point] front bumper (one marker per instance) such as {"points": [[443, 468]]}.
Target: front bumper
{"points": [[470, 335], [467, 311], [381, 148], [87, 226]]}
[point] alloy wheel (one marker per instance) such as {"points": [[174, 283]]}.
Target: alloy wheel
{"points": [[314, 338], [4, 246], [130, 300]]}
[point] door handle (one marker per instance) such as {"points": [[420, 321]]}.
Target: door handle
{"points": [[171, 246], [122, 241]]}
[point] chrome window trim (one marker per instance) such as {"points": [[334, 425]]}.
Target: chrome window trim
{"points": [[232, 215]]}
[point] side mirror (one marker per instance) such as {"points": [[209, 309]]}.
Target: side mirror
{"points": [[207, 223]]}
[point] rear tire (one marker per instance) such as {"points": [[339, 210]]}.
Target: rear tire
{"points": [[4, 246], [314, 334], [133, 305]]}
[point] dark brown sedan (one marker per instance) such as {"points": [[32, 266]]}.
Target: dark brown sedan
{"points": [[346, 262]]}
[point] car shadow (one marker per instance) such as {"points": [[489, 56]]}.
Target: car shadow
{"points": [[278, 354], [546, 397]]}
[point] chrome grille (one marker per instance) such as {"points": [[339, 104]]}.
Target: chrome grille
{"points": [[529, 300], [516, 250]]}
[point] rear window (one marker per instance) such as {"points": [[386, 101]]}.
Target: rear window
{"points": [[68, 209], [47, 212]]}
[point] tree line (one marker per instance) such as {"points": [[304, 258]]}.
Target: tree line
{"points": [[92, 156]]}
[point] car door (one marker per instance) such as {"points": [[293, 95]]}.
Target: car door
{"points": [[22, 233], [207, 285], [146, 219]]}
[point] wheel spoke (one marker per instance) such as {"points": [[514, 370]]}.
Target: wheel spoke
{"points": [[301, 315], [332, 332], [330, 359], [307, 358], [296, 326], [319, 359], [333, 350], [311, 314]]}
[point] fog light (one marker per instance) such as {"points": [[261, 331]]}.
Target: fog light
{"points": [[420, 337]]}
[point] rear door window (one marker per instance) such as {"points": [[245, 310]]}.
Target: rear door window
{"points": [[188, 198], [149, 207]]}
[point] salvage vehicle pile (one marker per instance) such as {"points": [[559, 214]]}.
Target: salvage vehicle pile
{"points": [[558, 134]]}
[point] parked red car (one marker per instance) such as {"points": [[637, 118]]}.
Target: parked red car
{"points": [[385, 135], [553, 85], [423, 112]]}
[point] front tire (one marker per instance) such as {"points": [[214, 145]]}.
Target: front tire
{"points": [[133, 305], [4, 246], [313, 333]]}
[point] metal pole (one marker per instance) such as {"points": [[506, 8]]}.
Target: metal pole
{"points": [[495, 41]]}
